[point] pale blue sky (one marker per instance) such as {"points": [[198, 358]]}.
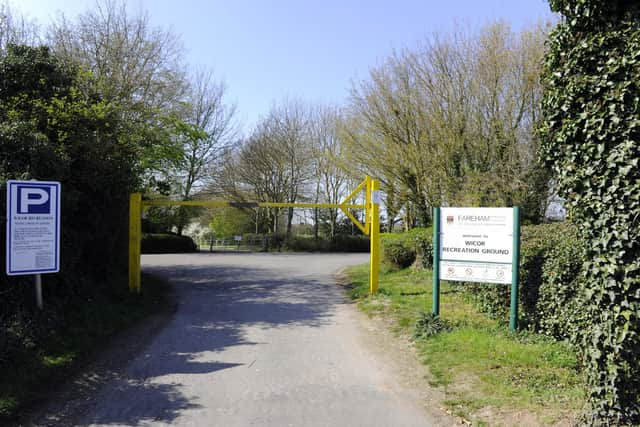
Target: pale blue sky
{"points": [[268, 50]]}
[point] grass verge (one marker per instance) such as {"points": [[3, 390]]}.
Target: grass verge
{"points": [[488, 374], [34, 368]]}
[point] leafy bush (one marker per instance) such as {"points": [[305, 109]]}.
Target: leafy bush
{"points": [[401, 250], [348, 243], [428, 324], [167, 243], [422, 239], [306, 244], [341, 243], [51, 129], [398, 250], [55, 126], [550, 263]]}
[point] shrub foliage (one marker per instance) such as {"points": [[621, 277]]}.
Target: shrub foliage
{"points": [[401, 250], [428, 324], [167, 244], [54, 127], [591, 135], [550, 265]]}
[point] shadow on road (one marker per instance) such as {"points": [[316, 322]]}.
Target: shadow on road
{"points": [[215, 305]]}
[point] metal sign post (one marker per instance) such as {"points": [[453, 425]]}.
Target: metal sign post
{"points": [[515, 271], [436, 262], [39, 302]]}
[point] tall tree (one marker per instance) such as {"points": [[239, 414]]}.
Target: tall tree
{"points": [[274, 163], [452, 122], [135, 65], [133, 61], [591, 136], [15, 28], [330, 178], [205, 130], [51, 130], [206, 109]]}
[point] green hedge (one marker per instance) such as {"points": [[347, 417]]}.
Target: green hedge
{"points": [[341, 243], [401, 250], [167, 243], [550, 265]]}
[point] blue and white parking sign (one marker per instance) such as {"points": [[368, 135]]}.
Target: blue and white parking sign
{"points": [[33, 227]]}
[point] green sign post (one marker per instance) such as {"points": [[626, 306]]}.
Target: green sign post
{"points": [[477, 245], [515, 272], [436, 261]]}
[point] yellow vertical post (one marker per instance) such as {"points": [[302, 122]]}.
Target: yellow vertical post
{"points": [[374, 235], [135, 231], [367, 204]]}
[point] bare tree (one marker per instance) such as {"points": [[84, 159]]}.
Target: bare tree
{"points": [[273, 164], [330, 178], [386, 131], [452, 122], [289, 126], [15, 28], [205, 131], [210, 131], [133, 62]]}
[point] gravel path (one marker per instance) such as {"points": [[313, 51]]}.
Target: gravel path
{"points": [[257, 340]]}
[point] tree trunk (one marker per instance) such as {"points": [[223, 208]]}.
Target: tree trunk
{"points": [[333, 218], [289, 222], [316, 225]]}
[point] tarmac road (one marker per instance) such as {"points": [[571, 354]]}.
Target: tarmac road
{"points": [[257, 340]]}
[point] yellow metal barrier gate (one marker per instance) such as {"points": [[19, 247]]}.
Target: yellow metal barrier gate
{"points": [[371, 226]]}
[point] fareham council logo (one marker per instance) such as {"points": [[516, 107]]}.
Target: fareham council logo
{"points": [[449, 219]]}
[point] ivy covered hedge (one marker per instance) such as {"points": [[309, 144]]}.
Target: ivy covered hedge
{"points": [[591, 140]]}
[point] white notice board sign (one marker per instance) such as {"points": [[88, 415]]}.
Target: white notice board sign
{"points": [[33, 227], [476, 244]]}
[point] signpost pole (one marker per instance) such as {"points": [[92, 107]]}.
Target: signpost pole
{"points": [[39, 291], [515, 271], [436, 261]]}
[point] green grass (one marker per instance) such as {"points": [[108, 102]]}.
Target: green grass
{"points": [[34, 368], [479, 363]]}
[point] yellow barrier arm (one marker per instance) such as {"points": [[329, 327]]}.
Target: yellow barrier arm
{"points": [[371, 226]]}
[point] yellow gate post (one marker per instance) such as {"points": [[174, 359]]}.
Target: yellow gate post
{"points": [[374, 234], [135, 231]]}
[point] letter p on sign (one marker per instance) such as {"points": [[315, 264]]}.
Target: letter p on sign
{"points": [[34, 200]]}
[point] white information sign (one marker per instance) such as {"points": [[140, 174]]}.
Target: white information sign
{"points": [[376, 196], [33, 227], [476, 244]]}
